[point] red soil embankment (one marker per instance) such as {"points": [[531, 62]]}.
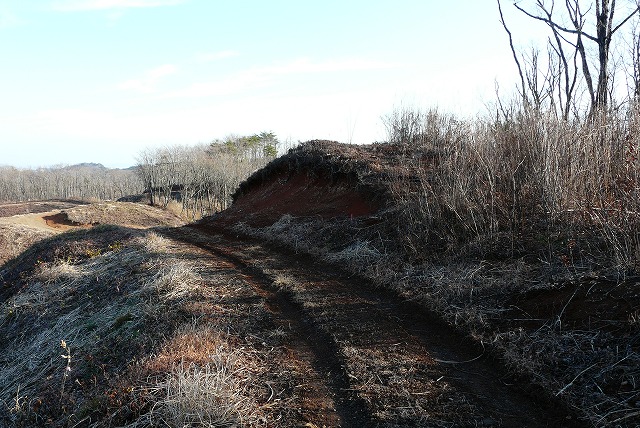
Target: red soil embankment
{"points": [[301, 195]]}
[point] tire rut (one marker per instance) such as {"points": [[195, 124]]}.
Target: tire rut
{"points": [[386, 360], [311, 344]]}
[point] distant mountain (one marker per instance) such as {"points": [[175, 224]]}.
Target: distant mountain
{"points": [[85, 166], [92, 166]]}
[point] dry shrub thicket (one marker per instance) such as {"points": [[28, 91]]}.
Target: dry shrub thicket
{"points": [[528, 178]]}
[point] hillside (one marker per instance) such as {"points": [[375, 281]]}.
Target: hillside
{"points": [[561, 322], [312, 301]]}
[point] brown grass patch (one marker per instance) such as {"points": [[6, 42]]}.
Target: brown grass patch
{"points": [[16, 238], [126, 214]]}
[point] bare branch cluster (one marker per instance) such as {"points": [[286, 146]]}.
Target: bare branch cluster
{"points": [[202, 178], [85, 182], [579, 56]]}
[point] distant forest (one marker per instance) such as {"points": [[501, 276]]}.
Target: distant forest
{"points": [[196, 180], [201, 179], [84, 181]]}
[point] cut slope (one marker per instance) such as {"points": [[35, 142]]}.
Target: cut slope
{"points": [[302, 195], [322, 179]]}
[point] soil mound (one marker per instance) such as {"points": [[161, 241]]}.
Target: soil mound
{"points": [[322, 179], [127, 214]]}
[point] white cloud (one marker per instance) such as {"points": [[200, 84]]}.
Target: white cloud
{"points": [[81, 5], [149, 81]]}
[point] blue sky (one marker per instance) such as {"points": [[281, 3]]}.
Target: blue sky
{"points": [[101, 80]]}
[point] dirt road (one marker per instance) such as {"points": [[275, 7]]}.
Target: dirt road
{"points": [[368, 357]]}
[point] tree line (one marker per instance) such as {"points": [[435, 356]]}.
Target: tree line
{"points": [[202, 178], [199, 180], [84, 182]]}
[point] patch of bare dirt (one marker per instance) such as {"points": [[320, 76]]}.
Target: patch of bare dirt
{"points": [[61, 222], [33, 221], [291, 193]]}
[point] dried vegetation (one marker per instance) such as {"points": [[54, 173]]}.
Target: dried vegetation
{"points": [[15, 238], [121, 327], [520, 230], [126, 214]]}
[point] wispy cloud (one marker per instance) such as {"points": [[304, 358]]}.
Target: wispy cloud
{"points": [[216, 56], [264, 76], [82, 5], [8, 18], [305, 65], [149, 81]]}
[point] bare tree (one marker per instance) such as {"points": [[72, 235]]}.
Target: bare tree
{"points": [[582, 20], [202, 178], [63, 182]]}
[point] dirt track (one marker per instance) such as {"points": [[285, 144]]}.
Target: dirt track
{"points": [[370, 358]]}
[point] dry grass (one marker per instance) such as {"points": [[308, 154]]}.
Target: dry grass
{"points": [[204, 381], [212, 395], [473, 295], [156, 336], [30, 356], [484, 211], [123, 214], [98, 304], [154, 243], [15, 238], [178, 280], [519, 177]]}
